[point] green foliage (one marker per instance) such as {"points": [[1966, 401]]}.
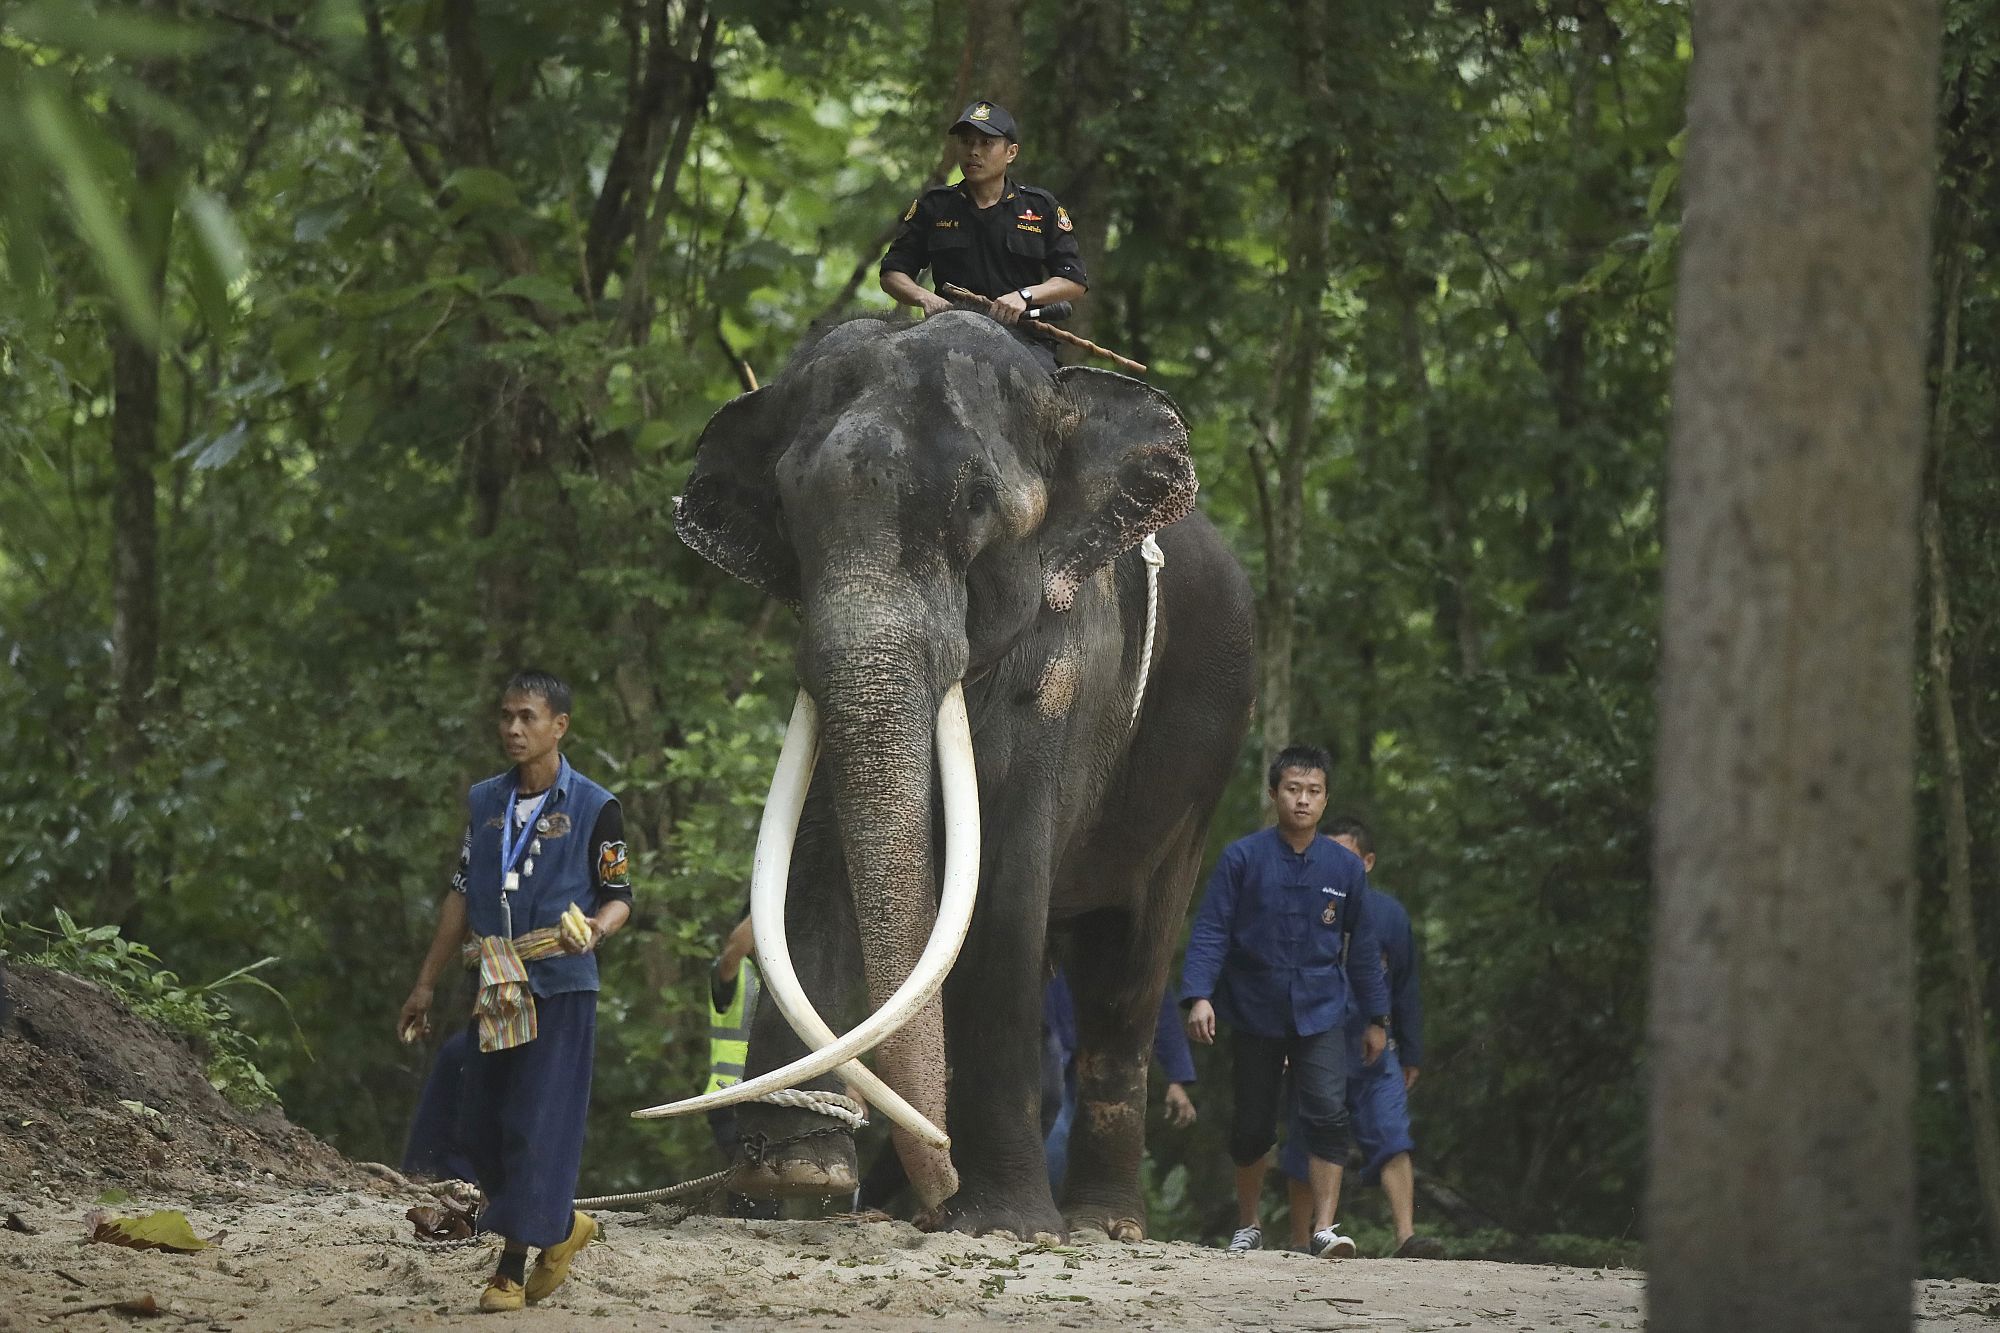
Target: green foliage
{"points": [[102, 954], [433, 362]]}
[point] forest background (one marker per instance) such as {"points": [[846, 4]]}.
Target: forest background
{"points": [[353, 351]]}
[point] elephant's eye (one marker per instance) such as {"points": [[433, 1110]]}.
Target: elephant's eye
{"points": [[981, 498]]}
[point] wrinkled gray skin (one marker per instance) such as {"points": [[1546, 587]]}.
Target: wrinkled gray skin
{"points": [[937, 507]]}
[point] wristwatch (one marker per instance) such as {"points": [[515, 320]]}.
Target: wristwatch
{"points": [[1027, 296]]}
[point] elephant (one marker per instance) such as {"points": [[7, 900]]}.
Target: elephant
{"points": [[956, 528]]}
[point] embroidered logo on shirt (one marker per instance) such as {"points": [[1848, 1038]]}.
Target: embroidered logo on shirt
{"points": [[1030, 215], [1333, 897], [913, 211], [1023, 226], [946, 223], [1062, 218], [552, 826]]}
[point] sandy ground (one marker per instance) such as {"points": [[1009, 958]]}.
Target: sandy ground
{"points": [[332, 1259], [92, 1099]]}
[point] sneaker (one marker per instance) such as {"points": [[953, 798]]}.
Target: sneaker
{"points": [[1419, 1247], [1246, 1239], [1330, 1244]]}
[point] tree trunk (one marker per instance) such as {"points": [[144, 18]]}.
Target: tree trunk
{"points": [[1085, 87], [1457, 625], [993, 40], [135, 531], [1782, 1186], [1968, 968], [1282, 492]]}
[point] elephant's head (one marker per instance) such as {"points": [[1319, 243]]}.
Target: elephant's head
{"points": [[921, 494]]}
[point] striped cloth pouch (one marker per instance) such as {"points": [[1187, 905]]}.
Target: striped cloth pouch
{"points": [[506, 1005]]}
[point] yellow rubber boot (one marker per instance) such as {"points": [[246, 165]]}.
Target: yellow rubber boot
{"points": [[552, 1268]]}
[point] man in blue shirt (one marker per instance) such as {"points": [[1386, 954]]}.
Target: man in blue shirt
{"points": [[1378, 1105], [1282, 937]]}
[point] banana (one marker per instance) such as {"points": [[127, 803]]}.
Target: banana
{"points": [[576, 927]]}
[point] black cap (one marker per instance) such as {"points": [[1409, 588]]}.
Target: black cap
{"points": [[988, 118]]}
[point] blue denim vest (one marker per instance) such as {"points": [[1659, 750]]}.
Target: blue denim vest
{"points": [[564, 870]]}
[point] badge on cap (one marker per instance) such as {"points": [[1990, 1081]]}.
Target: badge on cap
{"points": [[1062, 218], [984, 111]]}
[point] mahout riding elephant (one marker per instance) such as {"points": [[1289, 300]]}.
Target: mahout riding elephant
{"points": [[956, 528]]}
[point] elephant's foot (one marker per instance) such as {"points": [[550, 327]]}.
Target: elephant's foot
{"points": [[792, 1179], [1128, 1229], [1117, 1208], [793, 1155], [982, 1213]]}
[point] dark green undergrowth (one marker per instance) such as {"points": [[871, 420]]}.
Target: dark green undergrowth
{"points": [[152, 990]]}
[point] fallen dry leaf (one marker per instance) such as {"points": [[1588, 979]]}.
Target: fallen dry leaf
{"points": [[445, 1222]]}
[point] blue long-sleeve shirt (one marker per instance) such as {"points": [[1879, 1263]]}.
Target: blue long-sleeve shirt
{"points": [[1282, 936], [1399, 951]]}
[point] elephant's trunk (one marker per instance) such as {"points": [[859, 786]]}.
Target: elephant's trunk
{"points": [[877, 707]]}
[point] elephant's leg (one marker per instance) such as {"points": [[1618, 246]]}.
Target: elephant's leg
{"points": [[783, 1151], [1122, 959], [994, 1024]]}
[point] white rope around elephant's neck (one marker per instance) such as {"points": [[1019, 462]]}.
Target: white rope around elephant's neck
{"points": [[1156, 560]]}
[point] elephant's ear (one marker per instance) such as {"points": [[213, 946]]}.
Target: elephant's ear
{"points": [[1119, 471], [729, 513]]}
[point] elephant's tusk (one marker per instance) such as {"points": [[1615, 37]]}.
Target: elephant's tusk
{"points": [[769, 882], [954, 920]]}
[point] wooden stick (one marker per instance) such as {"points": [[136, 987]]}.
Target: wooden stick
{"points": [[958, 293]]}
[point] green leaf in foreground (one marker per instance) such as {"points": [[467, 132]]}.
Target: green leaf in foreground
{"points": [[167, 1229]]}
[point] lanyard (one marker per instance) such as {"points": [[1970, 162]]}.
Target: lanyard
{"points": [[513, 846]]}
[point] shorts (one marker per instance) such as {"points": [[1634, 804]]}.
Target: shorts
{"points": [[1378, 1118]]}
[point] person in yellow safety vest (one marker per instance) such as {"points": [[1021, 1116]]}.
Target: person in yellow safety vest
{"points": [[733, 990]]}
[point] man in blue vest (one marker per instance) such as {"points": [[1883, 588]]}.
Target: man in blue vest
{"points": [[1378, 1105], [1282, 936], [542, 843]]}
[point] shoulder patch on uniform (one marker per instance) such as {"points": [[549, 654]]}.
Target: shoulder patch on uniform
{"points": [[1062, 219], [612, 869], [913, 210]]}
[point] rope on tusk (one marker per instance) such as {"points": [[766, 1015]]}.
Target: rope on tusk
{"points": [[844, 1109]]}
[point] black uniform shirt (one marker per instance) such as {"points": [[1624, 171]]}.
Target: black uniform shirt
{"points": [[1024, 239]]}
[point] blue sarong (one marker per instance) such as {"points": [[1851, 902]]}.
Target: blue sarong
{"points": [[522, 1120], [433, 1148]]}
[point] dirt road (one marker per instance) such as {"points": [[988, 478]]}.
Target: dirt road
{"points": [[295, 1260]]}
